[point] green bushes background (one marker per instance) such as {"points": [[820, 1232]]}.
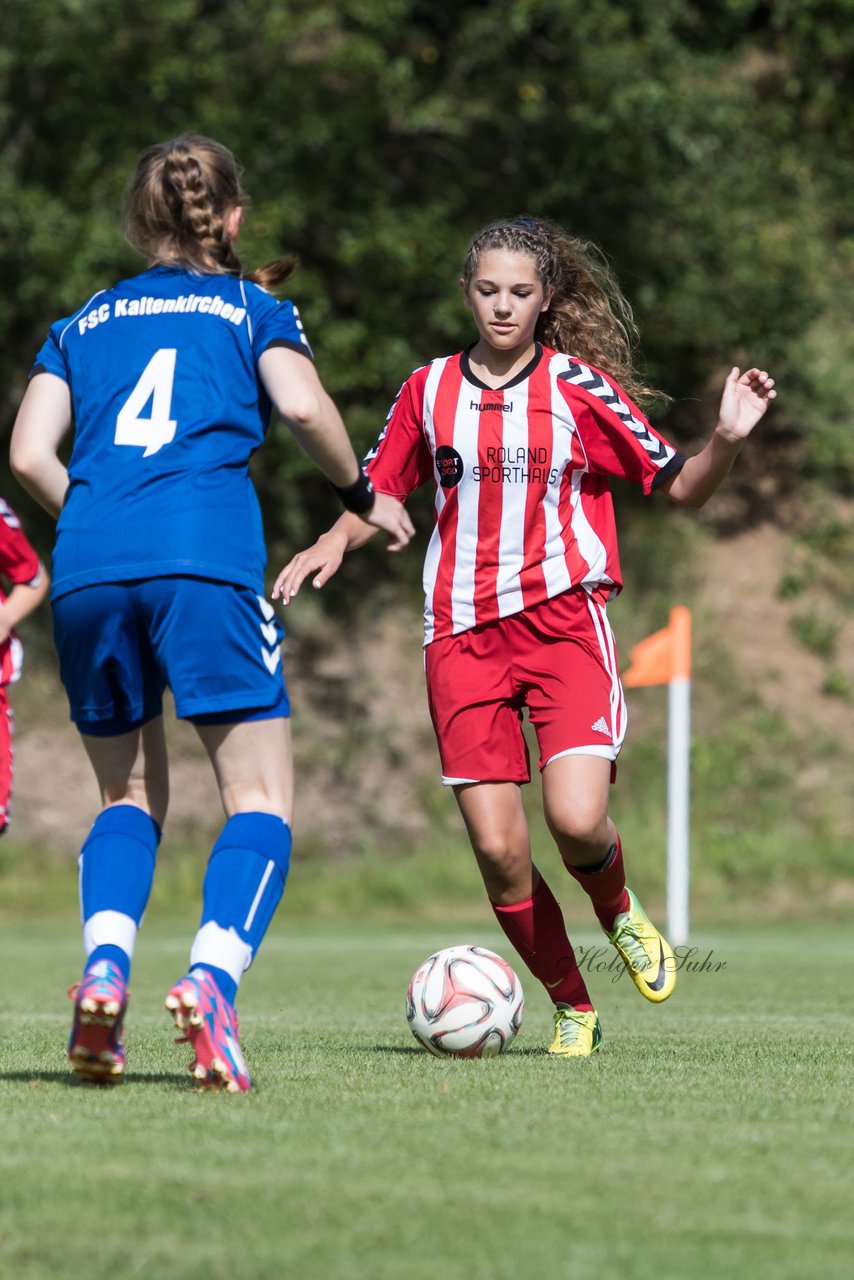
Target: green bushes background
{"points": [[704, 147]]}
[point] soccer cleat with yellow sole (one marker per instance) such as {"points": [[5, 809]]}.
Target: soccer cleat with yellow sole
{"points": [[648, 956], [577, 1032]]}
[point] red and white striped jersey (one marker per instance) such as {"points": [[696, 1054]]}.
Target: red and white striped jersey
{"points": [[523, 507], [18, 564]]}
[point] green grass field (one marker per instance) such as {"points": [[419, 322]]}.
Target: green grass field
{"points": [[711, 1137]]}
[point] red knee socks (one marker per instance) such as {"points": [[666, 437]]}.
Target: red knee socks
{"points": [[605, 885], [536, 929]]}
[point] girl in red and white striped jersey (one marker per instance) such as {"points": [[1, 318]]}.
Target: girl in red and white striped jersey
{"points": [[521, 434], [28, 581]]}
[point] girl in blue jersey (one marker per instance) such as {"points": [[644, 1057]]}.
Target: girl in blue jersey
{"points": [[169, 379]]}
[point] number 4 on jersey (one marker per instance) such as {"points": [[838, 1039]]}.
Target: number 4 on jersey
{"points": [[155, 384]]}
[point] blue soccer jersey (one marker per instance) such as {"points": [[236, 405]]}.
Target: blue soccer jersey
{"points": [[168, 410]]}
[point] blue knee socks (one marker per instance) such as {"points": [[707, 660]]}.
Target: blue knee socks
{"points": [[244, 882], [116, 872]]}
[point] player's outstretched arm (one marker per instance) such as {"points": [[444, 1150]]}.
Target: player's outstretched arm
{"points": [[297, 392], [391, 517], [744, 402], [324, 558], [43, 419], [21, 601]]}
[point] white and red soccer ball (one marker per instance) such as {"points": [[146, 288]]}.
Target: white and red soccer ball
{"points": [[464, 1002]]}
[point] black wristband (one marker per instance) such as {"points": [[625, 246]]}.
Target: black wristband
{"points": [[358, 497]]}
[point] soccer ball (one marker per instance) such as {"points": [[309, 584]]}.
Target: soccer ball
{"points": [[464, 1002]]}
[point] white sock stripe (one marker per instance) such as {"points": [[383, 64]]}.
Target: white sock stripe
{"points": [[222, 948], [258, 896], [109, 929]]}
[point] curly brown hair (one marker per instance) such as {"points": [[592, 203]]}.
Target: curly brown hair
{"points": [[588, 315], [177, 205]]}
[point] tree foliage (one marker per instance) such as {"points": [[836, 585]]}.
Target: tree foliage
{"points": [[702, 146]]}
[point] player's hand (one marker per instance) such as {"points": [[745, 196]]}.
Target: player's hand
{"points": [[746, 397], [323, 560], [392, 517]]}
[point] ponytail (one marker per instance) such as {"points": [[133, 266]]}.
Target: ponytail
{"points": [[177, 205]]}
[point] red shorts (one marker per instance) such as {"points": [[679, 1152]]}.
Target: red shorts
{"points": [[558, 659]]}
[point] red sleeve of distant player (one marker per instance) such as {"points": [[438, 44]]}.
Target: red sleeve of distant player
{"points": [[18, 561], [400, 460], [618, 440]]}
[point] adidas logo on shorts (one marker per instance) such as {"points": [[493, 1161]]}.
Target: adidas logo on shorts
{"points": [[601, 726]]}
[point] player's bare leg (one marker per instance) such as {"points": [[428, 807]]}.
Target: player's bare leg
{"points": [[575, 799], [132, 768], [253, 763], [527, 910], [498, 831]]}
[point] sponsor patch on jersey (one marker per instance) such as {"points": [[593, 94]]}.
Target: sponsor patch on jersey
{"points": [[450, 466]]}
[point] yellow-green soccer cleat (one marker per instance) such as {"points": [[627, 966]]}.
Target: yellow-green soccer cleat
{"points": [[577, 1033], [645, 953]]}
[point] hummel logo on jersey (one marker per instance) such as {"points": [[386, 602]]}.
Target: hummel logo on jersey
{"points": [[601, 726], [493, 404]]}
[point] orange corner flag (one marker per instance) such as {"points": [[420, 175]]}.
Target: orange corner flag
{"points": [[663, 656]]}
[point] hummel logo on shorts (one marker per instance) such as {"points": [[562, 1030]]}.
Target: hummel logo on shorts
{"points": [[601, 726]]}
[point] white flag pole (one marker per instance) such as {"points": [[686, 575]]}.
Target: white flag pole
{"points": [[678, 808], [665, 658]]}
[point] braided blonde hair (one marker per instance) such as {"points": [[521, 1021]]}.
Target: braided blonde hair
{"points": [[588, 316], [177, 206]]}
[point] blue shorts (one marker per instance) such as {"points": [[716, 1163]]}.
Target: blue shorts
{"points": [[215, 645]]}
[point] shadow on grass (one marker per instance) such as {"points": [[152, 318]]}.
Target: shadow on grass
{"points": [[396, 1048], [74, 1082], [407, 1050]]}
